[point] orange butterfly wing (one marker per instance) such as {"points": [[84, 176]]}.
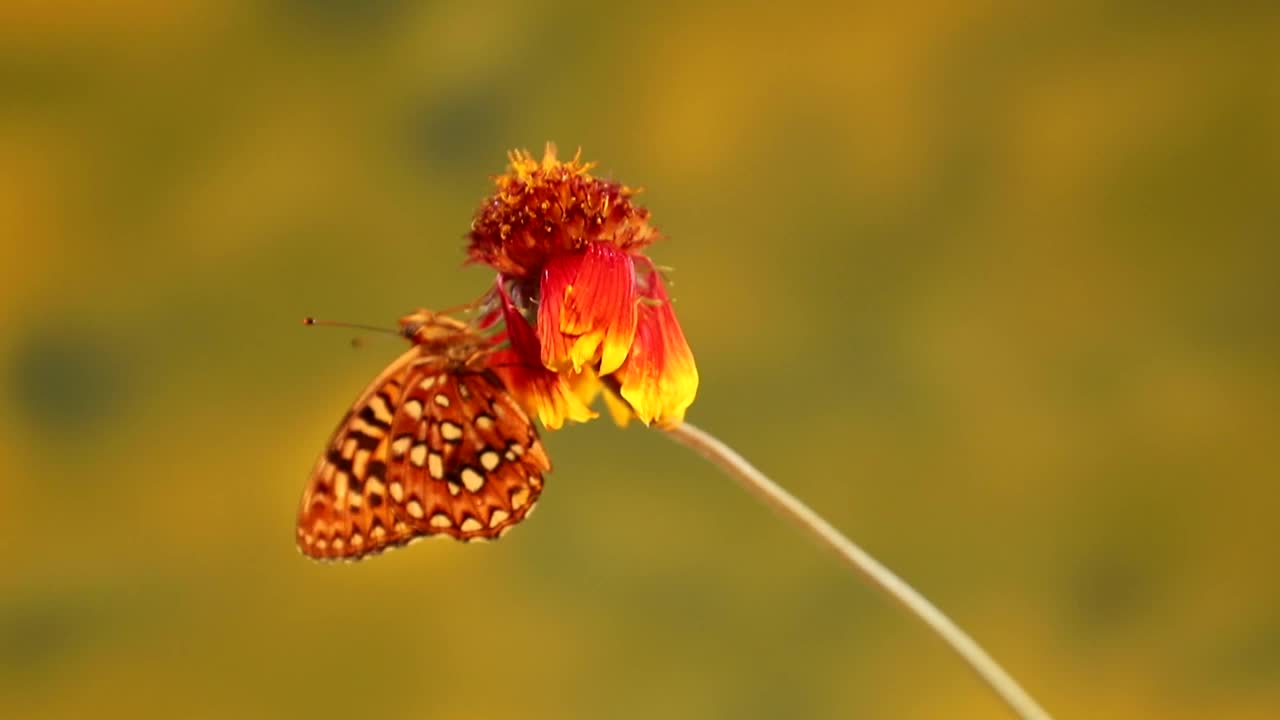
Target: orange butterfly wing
{"points": [[428, 448]]}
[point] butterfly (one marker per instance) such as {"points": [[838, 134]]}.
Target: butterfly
{"points": [[435, 445]]}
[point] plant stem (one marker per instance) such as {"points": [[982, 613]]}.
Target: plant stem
{"points": [[878, 575]]}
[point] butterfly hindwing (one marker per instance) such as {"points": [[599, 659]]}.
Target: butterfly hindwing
{"points": [[428, 448], [465, 458]]}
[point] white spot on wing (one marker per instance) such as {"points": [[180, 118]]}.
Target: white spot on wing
{"points": [[449, 431], [340, 485], [413, 408], [418, 455], [361, 463], [519, 498], [380, 409], [472, 479], [360, 425]]}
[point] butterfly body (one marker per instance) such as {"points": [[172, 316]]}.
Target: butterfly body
{"points": [[435, 445]]}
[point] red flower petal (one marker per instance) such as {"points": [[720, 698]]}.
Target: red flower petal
{"points": [[543, 392], [659, 378], [558, 276], [588, 311]]}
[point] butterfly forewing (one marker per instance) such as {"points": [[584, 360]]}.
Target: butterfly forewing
{"points": [[429, 448]]}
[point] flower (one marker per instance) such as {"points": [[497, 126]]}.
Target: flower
{"points": [[584, 308], [545, 393]]}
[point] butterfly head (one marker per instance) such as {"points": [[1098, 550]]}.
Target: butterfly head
{"points": [[440, 334]]}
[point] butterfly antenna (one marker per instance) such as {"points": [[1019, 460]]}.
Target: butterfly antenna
{"points": [[356, 342], [354, 326]]}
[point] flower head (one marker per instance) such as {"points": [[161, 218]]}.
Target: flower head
{"points": [[578, 297], [540, 209]]}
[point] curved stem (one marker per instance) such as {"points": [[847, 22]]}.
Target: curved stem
{"points": [[878, 575]]}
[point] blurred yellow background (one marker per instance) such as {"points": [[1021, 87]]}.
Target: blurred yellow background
{"points": [[992, 285]]}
